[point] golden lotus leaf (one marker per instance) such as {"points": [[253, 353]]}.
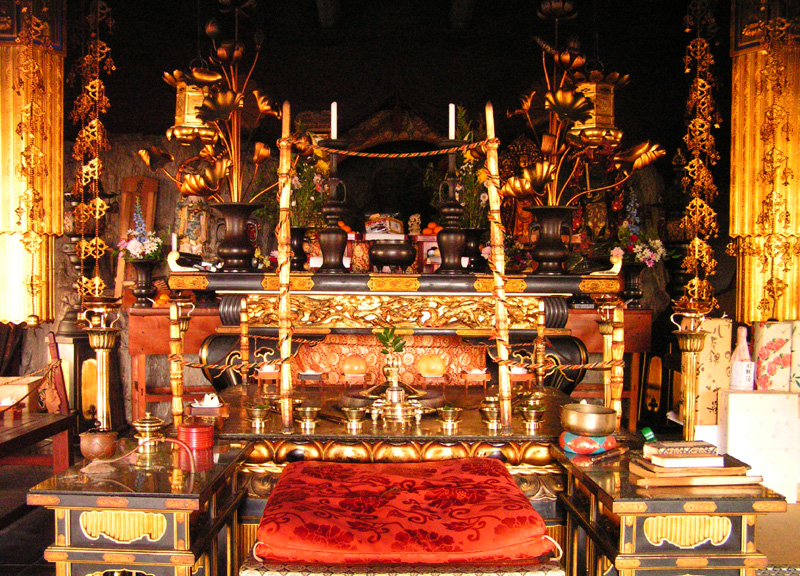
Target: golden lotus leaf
{"points": [[568, 105], [203, 77], [303, 144], [218, 106], [539, 174], [155, 157], [261, 153], [640, 156]]}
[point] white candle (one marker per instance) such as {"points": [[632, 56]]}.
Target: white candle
{"points": [[451, 133], [334, 121], [174, 242]]}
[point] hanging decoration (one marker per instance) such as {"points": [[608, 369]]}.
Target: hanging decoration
{"points": [[91, 142], [30, 194], [700, 219], [766, 241]]}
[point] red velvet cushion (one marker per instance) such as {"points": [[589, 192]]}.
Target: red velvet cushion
{"points": [[467, 510]]}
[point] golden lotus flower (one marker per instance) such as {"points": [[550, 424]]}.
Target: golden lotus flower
{"points": [[525, 105], [218, 106], [557, 9], [230, 52], [597, 77], [516, 187], [303, 144], [261, 153], [265, 106], [207, 181], [568, 105], [639, 156], [155, 157], [174, 78], [570, 59], [539, 174]]}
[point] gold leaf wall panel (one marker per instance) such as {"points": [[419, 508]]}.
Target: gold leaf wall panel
{"points": [[15, 302], [52, 65], [747, 192]]}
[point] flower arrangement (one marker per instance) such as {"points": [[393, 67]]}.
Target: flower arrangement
{"points": [[308, 189], [140, 244], [471, 189], [635, 243]]}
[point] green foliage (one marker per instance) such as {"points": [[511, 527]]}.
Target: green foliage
{"points": [[389, 341]]}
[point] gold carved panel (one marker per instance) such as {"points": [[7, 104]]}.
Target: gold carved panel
{"points": [[700, 507], [123, 527], [600, 286], [687, 531], [403, 283], [512, 285], [177, 282], [376, 311], [272, 283]]}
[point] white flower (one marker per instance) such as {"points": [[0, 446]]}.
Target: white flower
{"points": [[135, 248]]}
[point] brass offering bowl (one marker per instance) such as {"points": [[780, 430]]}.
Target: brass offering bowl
{"points": [[307, 414], [532, 413], [354, 415], [257, 411], [449, 415], [491, 414], [588, 419]]}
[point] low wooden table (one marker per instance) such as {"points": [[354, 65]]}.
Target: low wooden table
{"points": [[147, 513], [674, 531], [25, 431]]}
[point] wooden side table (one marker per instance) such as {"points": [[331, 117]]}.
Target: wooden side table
{"points": [[148, 515], [148, 335], [673, 531]]}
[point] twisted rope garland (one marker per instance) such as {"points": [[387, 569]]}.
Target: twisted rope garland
{"points": [[392, 155]]}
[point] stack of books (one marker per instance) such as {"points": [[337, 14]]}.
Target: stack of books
{"points": [[687, 463]]}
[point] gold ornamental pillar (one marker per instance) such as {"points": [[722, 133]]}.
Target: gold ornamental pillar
{"points": [[244, 339], [180, 308], [612, 328], [99, 317], [690, 341]]}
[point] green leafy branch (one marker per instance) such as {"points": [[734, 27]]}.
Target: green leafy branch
{"points": [[389, 341]]}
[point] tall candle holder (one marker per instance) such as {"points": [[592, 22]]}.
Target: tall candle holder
{"points": [[99, 317], [180, 309], [691, 340], [332, 239], [451, 239]]}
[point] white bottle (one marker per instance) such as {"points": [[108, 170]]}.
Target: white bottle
{"points": [[742, 368]]}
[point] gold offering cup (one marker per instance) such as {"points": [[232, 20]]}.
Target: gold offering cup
{"points": [[307, 415], [449, 415], [491, 415], [257, 413], [354, 415], [532, 414]]}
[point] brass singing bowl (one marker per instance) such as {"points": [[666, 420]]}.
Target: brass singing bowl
{"points": [[588, 419]]}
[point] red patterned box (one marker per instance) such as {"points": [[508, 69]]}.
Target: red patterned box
{"points": [[772, 351]]}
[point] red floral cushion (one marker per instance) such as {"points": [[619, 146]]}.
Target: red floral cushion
{"points": [[467, 510]]}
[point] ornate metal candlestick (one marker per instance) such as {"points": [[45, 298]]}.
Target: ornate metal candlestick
{"points": [[332, 239], [451, 239], [99, 317], [690, 341], [180, 308]]}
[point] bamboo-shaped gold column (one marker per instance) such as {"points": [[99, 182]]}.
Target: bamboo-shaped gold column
{"points": [[690, 341], [99, 317], [284, 255], [498, 265], [539, 346], [180, 308], [612, 328]]}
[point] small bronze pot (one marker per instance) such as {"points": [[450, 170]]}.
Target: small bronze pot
{"points": [[98, 444]]}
